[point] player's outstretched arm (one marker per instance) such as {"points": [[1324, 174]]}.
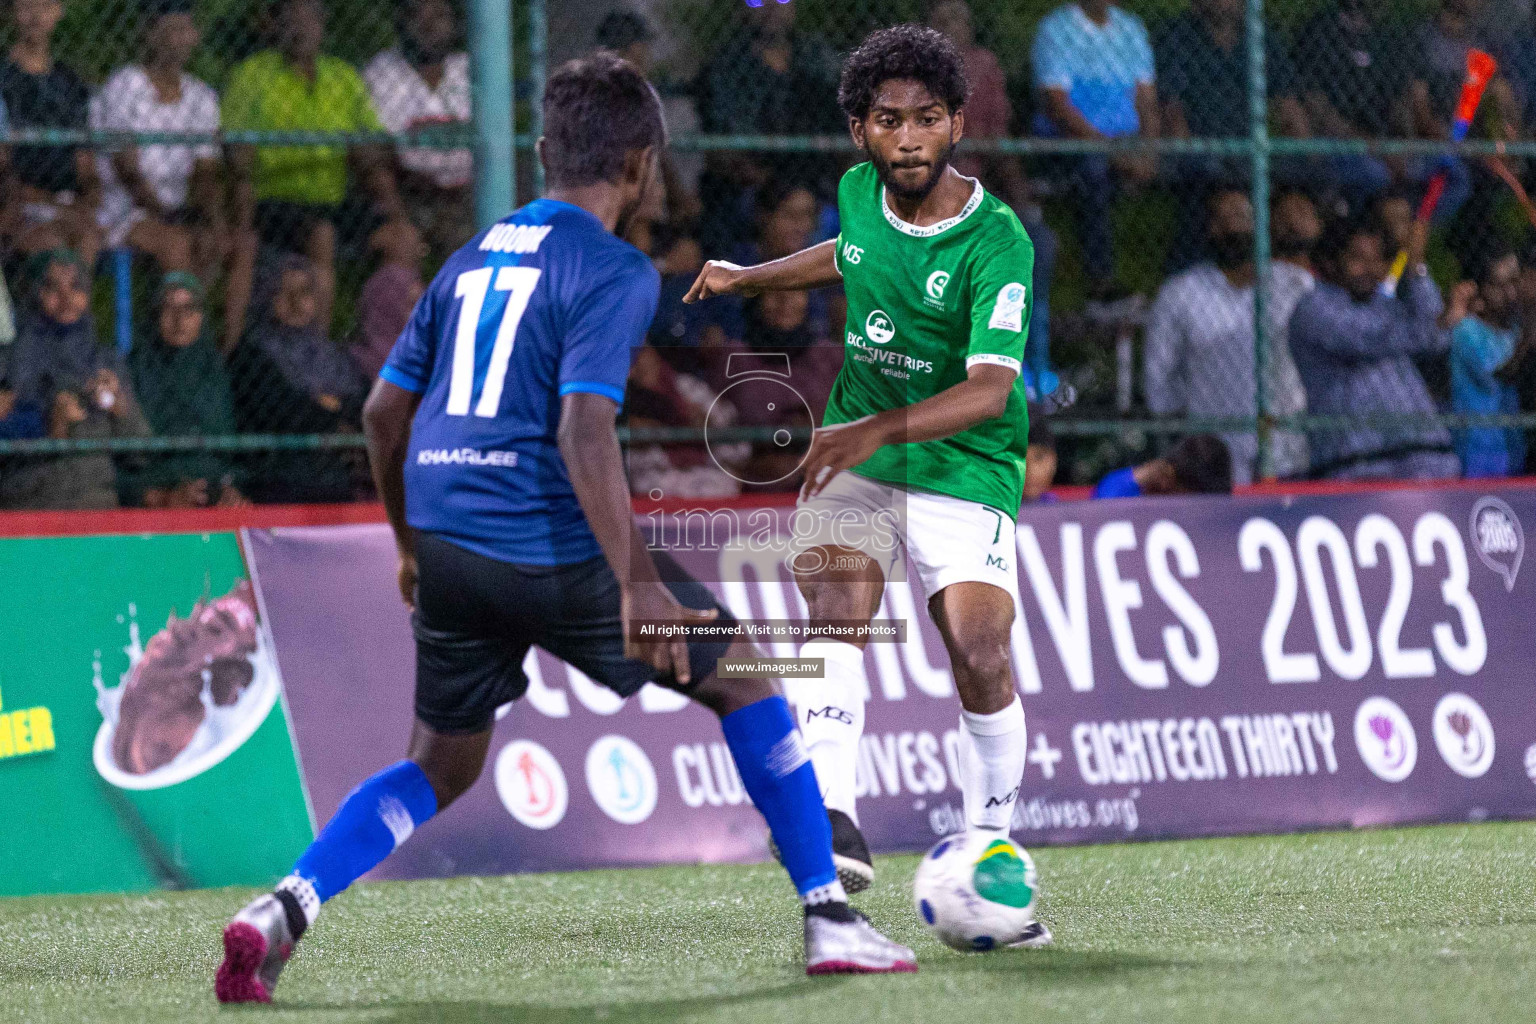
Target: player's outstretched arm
{"points": [[589, 444], [982, 396], [815, 267], [387, 419]]}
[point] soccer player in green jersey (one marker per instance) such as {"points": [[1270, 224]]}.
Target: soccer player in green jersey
{"points": [[922, 450]]}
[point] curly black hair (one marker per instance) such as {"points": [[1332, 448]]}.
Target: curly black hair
{"points": [[902, 51]]}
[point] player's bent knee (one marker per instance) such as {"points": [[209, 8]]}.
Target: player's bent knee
{"points": [[725, 696]]}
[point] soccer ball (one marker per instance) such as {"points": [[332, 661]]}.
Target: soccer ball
{"points": [[976, 890]]}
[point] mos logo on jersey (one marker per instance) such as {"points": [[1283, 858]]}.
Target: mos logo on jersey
{"points": [[880, 327]]}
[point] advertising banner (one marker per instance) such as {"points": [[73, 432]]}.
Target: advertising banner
{"points": [[1188, 667], [143, 736]]}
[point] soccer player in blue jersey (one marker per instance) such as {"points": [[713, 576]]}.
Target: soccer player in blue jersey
{"points": [[491, 434]]}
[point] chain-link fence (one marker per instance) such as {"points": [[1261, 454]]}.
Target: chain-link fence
{"points": [[1169, 158]]}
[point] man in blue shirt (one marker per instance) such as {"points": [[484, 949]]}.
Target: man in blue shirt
{"points": [[1481, 346], [1094, 73], [491, 433]]}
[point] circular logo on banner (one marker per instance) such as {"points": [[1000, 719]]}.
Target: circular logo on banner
{"points": [[879, 327], [1498, 538], [1530, 761], [1385, 739], [1464, 735], [621, 779], [531, 785], [937, 282]]}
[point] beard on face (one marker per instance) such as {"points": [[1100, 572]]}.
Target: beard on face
{"points": [[886, 173]]}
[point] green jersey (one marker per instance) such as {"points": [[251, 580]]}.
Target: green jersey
{"points": [[924, 305]]}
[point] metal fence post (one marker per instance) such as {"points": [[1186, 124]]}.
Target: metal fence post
{"points": [[490, 56], [538, 72], [1258, 112]]}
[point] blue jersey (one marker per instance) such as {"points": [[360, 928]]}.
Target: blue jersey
{"points": [[545, 303]]}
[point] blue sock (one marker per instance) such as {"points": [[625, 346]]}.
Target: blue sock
{"points": [[377, 816], [777, 774]]}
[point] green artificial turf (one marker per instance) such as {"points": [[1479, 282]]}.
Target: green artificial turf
{"points": [[1435, 924]]}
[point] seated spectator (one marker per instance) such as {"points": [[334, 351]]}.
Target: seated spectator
{"points": [[1364, 79], [421, 83], [389, 295], [55, 190], [290, 378], [183, 387], [1203, 57], [659, 396], [1481, 346], [80, 388], [1354, 348], [1094, 73], [292, 198], [1040, 461], [771, 79], [1200, 341], [1197, 465], [18, 420], [989, 115], [163, 200]]}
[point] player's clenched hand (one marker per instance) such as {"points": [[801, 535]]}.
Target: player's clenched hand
{"points": [[407, 579], [719, 277], [839, 447], [653, 604]]}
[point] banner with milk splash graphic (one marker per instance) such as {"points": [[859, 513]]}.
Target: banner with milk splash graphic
{"points": [[143, 736], [1189, 667]]}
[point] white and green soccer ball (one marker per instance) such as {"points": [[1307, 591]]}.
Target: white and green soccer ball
{"points": [[976, 890]]}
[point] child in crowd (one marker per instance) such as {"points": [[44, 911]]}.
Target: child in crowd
{"points": [[1201, 464]]}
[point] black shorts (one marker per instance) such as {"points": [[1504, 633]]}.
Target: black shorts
{"points": [[476, 617]]}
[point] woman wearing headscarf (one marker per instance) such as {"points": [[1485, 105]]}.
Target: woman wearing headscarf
{"points": [[81, 388], [183, 388], [290, 378]]}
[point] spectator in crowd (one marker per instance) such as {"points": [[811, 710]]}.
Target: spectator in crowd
{"points": [[1481, 346], [54, 190], [1365, 79], [163, 200], [292, 198], [289, 377], [670, 202], [389, 295], [1094, 73], [18, 420], [1355, 348], [989, 115], [1200, 341], [81, 388], [1294, 228], [1203, 57], [184, 389], [1199, 464], [421, 83], [1039, 461], [771, 79], [659, 396]]}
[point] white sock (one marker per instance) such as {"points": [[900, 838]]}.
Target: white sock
{"points": [[304, 892], [830, 713], [992, 765]]}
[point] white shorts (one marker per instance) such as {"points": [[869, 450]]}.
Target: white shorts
{"points": [[941, 540]]}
